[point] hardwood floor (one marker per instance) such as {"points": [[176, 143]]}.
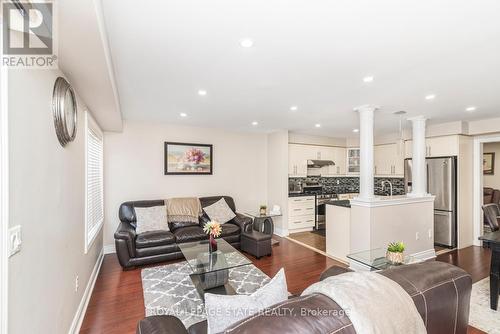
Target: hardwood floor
{"points": [[311, 239], [117, 302]]}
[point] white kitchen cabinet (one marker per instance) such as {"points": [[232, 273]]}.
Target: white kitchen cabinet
{"points": [[337, 155], [436, 146], [387, 160], [298, 155], [297, 160], [301, 212], [353, 158]]}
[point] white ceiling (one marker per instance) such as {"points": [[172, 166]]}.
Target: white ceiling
{"points": [[309, 53]]}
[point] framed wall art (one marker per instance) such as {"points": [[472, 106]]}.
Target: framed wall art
{"points": [[489, 163], [188, 159]]}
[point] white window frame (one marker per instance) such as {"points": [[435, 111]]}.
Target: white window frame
{"points": [[91, 235]]}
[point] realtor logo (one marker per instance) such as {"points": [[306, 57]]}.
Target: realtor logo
{"points": [[28, 35]]}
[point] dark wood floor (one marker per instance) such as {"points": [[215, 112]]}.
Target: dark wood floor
{"points": [[117, 302]]}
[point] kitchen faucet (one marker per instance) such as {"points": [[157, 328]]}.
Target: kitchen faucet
{"points": [[390, 186]]}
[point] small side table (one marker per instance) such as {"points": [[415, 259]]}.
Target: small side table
{"points": [[263, 223], [259, 240]]}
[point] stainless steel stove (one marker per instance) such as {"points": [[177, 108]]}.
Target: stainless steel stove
{"points": [[322, 196]]}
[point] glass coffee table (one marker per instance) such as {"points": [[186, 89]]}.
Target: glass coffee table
{"points": [[374, 259], [210, 271]]}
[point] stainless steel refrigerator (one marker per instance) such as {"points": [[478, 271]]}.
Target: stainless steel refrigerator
{"points": [[442, 183]]}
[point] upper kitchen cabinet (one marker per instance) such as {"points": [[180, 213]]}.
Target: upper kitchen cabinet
{"points": [[338, 156], [388, 161], [436, 146], [298, 155], [353, 158], [297, 160]]}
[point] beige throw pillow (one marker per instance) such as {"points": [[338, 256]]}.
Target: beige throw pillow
{"points": [[151, 219], [219, 212], [224, 311]]}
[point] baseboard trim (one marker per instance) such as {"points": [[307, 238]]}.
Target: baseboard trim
{"points": [[82, 307], [109, 249]]}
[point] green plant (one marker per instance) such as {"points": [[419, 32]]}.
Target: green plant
{"points": [[263, 207], [396, 247]]}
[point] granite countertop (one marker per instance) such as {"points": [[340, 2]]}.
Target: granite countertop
{"points": [[299, 194], [343, 203]]}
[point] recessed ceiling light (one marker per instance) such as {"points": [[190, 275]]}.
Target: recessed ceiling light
{"points": [[470, 109], [246, 43], [254, 123], [430, 97], [368, 79], [202, 92], [355, 130], [183, 114], [294, 108], [317, 125]]}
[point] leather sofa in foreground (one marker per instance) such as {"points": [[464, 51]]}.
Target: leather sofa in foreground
{"points": [[135, 249], [440, 291]]}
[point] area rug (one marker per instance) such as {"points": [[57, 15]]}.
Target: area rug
{"points": [[169, 290], [481, 316]]}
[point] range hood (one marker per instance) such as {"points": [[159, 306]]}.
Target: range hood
{"points": [[319, 163]]}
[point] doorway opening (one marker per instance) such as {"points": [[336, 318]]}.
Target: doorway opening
{"points": [[486, 180]]}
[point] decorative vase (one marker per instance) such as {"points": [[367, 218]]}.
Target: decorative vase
{"points": [[394, 257], [212, 244], [262, 211]]}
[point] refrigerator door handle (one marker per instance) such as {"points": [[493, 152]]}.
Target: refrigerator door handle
{"points": [[442, 213]]}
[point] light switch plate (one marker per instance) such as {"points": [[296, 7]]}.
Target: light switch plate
{"points": [[15, 240]]}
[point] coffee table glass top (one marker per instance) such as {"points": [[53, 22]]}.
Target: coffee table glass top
{"points": [[376, 260], [201, 261]]}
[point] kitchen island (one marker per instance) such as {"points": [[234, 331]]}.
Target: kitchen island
{"points": [[362, 225]]}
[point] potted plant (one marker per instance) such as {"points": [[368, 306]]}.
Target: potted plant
{"points": [[395, 252], [263, 210], [213, 229]]}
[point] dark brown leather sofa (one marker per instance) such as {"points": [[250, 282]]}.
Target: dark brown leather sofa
{"points": [[135, 249], [440, 291]]}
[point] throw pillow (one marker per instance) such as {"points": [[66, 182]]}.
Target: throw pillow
{"points": [[223, 311], [151, 219], [219, 211]]}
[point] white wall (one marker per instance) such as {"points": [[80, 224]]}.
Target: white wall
{"points": [[277, 176], [47, 187], [493, 181], [133, 167]]}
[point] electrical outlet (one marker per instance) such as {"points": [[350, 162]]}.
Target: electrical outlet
{"points": [[417, 236], [430, 233], [15, 240], [77, 283]]}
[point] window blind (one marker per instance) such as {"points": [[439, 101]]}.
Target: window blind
{"points": [[94, 187]]}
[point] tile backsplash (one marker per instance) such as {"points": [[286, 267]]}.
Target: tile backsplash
{"points": [[343, 185]]}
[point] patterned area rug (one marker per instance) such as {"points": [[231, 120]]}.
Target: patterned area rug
{"points": [[481, 316], [169, 290]]}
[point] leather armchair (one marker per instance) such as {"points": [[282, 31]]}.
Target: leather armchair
{"points": [[492, 215], [491, 195]]}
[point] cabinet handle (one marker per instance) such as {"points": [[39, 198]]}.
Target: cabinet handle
{"points": [[296, 209]]}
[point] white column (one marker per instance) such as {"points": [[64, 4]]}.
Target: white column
{"points": [[419, 167], [366, 175]]}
